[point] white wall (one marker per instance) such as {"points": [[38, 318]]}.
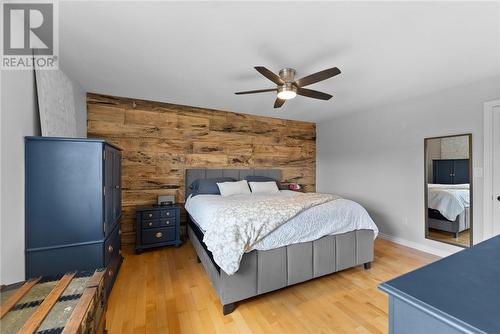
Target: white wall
{"points": [[18, 118], [376, 157]]}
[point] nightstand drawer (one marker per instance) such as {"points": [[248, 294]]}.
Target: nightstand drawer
{"points": [[156, 235], [165, 222], [150, 223], [167, 213], [150, 215]]}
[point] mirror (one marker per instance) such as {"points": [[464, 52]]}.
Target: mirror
{"points": [[448, 189]]}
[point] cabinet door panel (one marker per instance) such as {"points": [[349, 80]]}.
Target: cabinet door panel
{"points": [[117, 191], [461, 171], [442, 171], [109, 188]]}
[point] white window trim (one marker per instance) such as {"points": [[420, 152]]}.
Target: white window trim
{"points": [[488, 226]]}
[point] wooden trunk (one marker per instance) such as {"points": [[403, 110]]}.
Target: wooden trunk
{"points": [[72, 303]]}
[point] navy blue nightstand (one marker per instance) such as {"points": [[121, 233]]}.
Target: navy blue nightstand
{"points": [[157, 226]]}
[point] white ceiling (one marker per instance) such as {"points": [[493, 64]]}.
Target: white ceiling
{"points": [[200, 53]]}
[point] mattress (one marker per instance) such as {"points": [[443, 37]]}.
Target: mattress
{"points": [[198, 232], [334, 217], [449, 199]]}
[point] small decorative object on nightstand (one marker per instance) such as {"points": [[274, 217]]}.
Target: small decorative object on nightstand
{"points": [[294, 186], [157, 226]]}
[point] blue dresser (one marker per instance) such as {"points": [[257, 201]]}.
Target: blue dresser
{"points": [[457, 294], [73, 206]]}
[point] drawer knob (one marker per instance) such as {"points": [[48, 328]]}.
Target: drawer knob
{"points": [[150, 215], [168, 213], [167, 222], [119, 232], [150, 224], [159, 235], [110, 248]]}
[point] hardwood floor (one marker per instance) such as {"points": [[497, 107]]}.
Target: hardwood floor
{"points": [[462, 240], [166, 291]]}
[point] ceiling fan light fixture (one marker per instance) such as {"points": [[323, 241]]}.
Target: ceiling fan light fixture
{"points": [[287, 91]]}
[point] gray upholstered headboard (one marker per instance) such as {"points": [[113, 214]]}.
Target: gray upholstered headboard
{"points": [[238, 174]]}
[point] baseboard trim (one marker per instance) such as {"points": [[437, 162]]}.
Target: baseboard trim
{"points": [[418, 246]]}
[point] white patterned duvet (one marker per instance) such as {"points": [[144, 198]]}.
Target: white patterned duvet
{"points": [[333, 217]]}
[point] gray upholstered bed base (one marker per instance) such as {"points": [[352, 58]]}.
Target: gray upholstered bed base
{"points": [[265, 271], [462, 223]]}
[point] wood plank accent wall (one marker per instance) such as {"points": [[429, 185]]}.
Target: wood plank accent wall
{"points": [[161, 140]]}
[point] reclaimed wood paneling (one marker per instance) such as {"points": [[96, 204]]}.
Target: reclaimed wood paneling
{"points": [[161, 140]]}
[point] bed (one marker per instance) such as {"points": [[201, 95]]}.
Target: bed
{"points": [[264, 270], [449, 207]]}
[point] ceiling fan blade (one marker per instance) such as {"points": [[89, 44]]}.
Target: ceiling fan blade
{"points": [[313, 93], [279, 102], [270, 75], [318, 76], [257, 91]]}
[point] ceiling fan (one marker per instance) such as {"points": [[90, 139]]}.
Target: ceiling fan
{"points": [[288, 88]]}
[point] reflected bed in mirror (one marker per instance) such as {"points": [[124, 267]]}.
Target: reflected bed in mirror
{"points": [[448, 189]]}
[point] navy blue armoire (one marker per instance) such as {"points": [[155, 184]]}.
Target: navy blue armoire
{"points": [[450, 171], [73, 206]]}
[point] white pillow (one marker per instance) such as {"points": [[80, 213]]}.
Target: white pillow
{"points": [[264, 187], [233, 188]]}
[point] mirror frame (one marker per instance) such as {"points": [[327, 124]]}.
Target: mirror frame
{"points": [[471, 187]]}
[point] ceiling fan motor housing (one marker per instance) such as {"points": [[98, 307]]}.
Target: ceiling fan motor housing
{"points": [[287, 74], [287, 90]]}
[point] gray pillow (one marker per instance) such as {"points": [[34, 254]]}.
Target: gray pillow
{"points": [[208, 186]]}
